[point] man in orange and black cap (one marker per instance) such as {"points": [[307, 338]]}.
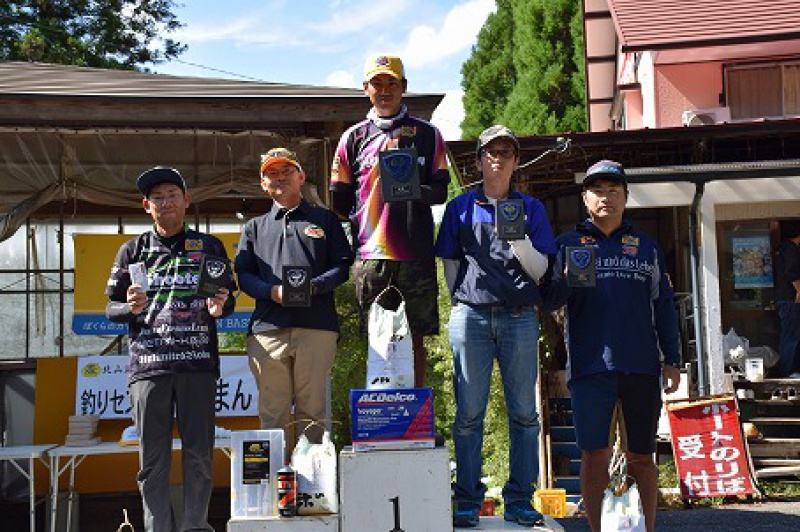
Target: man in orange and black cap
{"points": [[393, 239], [291, 348]]}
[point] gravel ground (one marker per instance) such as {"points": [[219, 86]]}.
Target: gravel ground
{"points": [[775, 515]]}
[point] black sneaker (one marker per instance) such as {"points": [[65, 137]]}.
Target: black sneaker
{"points": [[465, 517]]}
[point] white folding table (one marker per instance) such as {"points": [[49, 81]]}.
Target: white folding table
{"points": [[17, 455], [74, 456]]}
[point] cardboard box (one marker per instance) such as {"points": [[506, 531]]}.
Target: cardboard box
{"points": [[392, 419]]}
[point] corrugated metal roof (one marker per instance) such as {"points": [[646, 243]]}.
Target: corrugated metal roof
{"points": [[20, 78], [674, 24]]}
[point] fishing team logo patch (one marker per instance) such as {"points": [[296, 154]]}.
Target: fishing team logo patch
{"points": [[193, 244]]}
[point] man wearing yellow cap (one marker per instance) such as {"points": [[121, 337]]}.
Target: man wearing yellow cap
{"points": [[393, 239], [291, 348]]}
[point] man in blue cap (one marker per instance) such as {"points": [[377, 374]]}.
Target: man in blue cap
{"points": [[174, 360], [622, 337]]}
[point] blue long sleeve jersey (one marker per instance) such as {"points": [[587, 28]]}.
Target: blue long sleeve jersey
{"points": [[488, 273], [628, 320]]}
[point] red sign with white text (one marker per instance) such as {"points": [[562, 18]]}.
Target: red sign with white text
{"points": [[709, 451]]}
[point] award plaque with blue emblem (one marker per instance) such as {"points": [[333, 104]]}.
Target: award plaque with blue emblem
{"points": [[580, 266], [399, 174], [510, 219], [296, 285]]}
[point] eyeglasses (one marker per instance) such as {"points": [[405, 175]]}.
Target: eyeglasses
{"points": [[499, 154], [286, 171], [164, 202]]}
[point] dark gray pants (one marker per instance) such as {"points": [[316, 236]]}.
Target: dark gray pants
{"points": [[193, 396]]}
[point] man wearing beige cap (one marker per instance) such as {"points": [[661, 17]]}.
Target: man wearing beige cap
{"points": [[393, 236], [291, 345]]}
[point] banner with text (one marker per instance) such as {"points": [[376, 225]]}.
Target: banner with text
{"points": [[102, 387], [710, 456]]}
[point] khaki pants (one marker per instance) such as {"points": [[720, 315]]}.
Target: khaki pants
{"points": [[292, 367]]}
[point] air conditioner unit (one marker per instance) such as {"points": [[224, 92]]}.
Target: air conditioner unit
{"points": [[702, 117]]}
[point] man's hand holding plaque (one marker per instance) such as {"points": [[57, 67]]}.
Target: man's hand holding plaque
{"points": [[296, 286], [215, 273], [580, 266], [510, 219]]}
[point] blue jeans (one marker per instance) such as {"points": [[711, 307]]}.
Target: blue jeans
{"points": [[477, 337], [789, 314]]}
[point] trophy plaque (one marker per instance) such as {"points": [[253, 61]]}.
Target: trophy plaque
{"points": [[215, 273], [510, 219], [296, 286], [399, 174], [580, 266]]}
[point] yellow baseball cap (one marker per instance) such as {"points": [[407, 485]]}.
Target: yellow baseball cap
{"points": [[384, 64]]}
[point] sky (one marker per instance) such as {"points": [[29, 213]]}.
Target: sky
{"points": [[325, 43]]}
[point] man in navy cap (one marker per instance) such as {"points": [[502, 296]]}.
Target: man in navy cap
{"points": [[174, 360], [622, 337]]}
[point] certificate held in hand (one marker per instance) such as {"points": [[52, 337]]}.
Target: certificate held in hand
{"points": [[399, 174], [215, 273], [296, 286]]}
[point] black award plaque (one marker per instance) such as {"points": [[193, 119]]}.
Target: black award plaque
{"points": [[580, 266], [296, 286], [399, 174], [510, 219], [215, 273]]}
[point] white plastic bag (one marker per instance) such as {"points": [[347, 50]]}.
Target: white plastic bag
{"points": [[315, 464], [622, 511], [734, 347], [390, 358]]}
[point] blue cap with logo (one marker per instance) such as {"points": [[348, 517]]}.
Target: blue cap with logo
{"points": [[607, 171]]}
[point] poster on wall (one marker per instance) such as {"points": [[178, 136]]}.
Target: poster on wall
{"points": [[752, 262], [102, 387]]}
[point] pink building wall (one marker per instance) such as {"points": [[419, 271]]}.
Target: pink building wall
{"points": [[679, 87]]}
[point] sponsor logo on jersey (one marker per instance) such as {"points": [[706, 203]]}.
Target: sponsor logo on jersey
{"points": [[314, 231], [194, 244]]}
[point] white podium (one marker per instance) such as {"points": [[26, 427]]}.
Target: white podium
{"points": [[395, 490], [306, 523]]}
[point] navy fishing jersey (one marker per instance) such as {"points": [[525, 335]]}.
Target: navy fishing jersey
{"points": [[175, 333], [627, 322]]}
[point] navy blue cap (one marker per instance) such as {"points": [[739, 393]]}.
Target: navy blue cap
{"points": [[606, 170], [158, 175]]}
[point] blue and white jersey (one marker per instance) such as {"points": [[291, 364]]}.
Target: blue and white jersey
{"points": [[489, 273]]}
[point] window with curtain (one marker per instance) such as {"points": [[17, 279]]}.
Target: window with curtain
{"points": [[763, 91]]}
